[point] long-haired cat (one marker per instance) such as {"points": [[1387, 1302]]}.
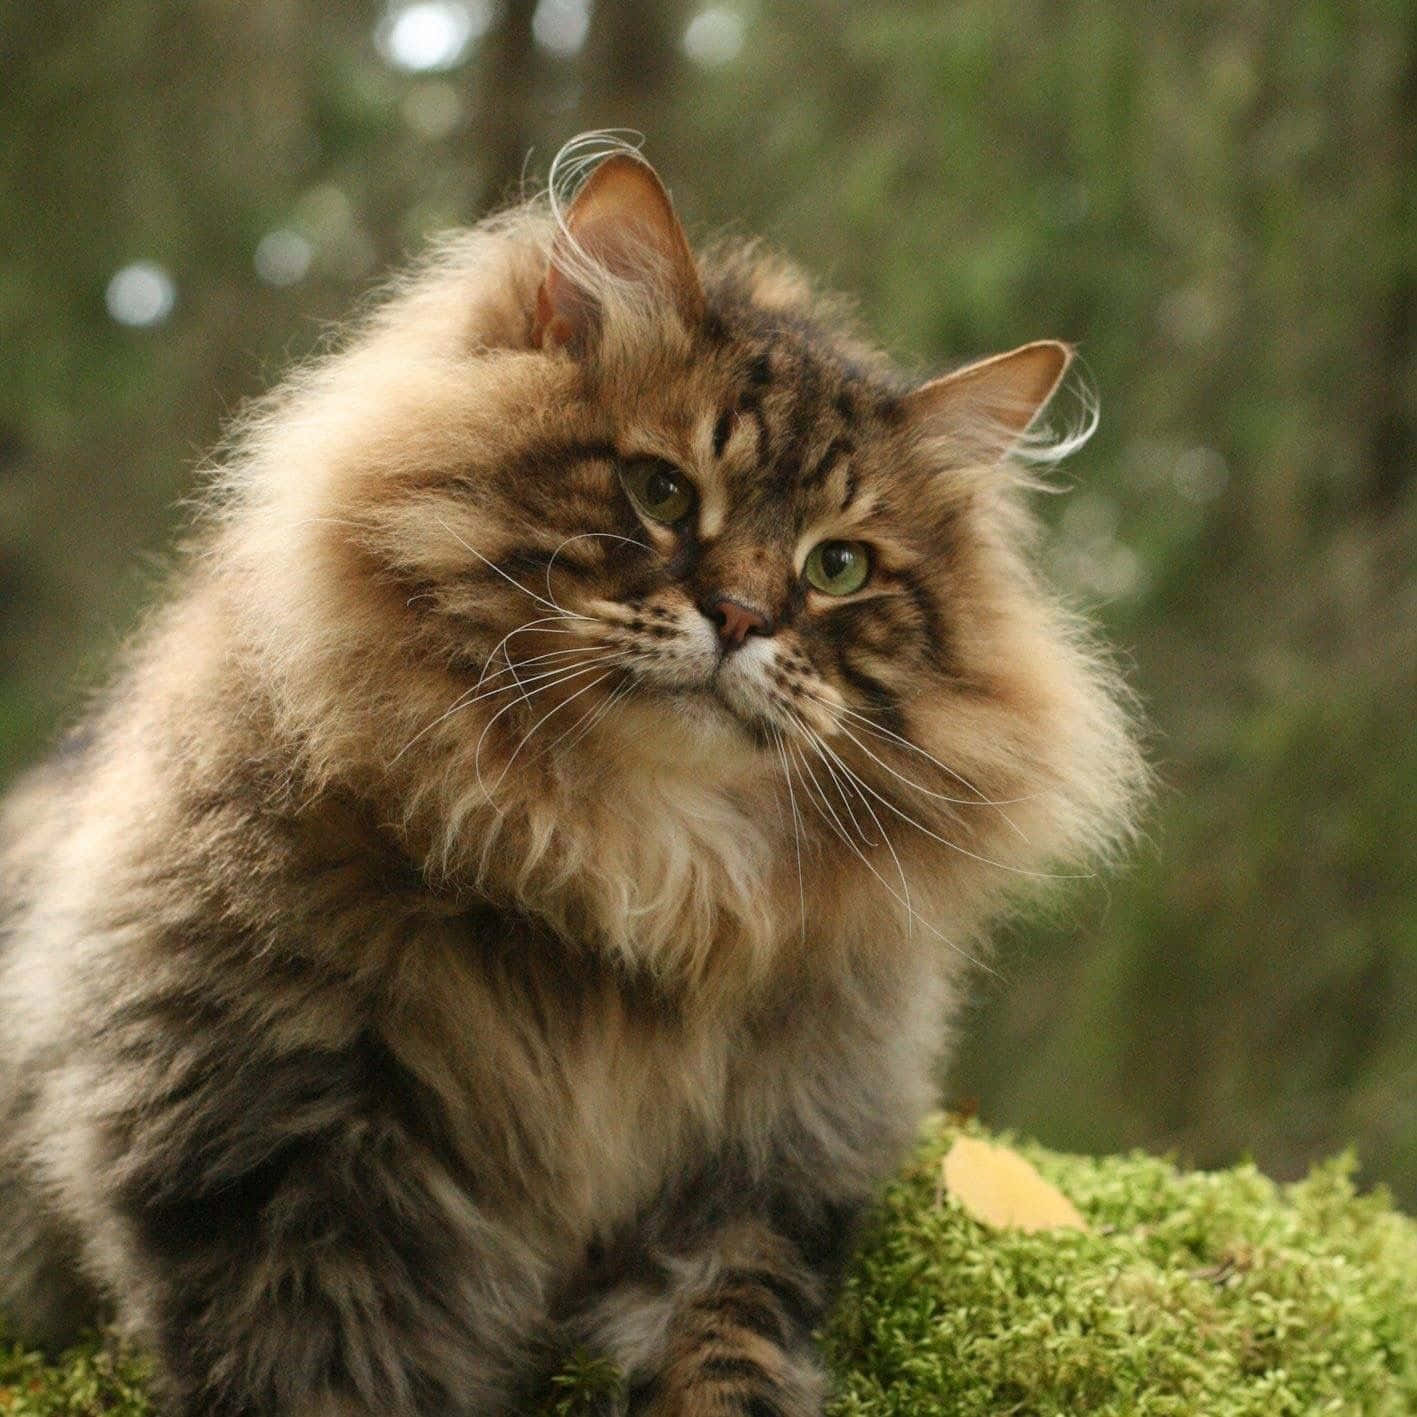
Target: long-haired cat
{"points": [[514, 894]]}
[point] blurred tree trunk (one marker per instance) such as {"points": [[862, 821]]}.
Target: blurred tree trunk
{"points": [[631, 61], [1393, 445], [508, 88]]}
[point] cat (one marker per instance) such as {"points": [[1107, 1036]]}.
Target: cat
{"points": [[515, 891]]}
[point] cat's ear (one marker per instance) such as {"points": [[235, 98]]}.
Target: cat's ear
{"points": [[986, 408], [622, 225]]}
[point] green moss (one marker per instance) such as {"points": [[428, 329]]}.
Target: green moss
{"points": [[586, 1385], [1216, 1294], [1196, 1293], [96, 1378]]}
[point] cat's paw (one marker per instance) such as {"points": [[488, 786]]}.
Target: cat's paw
{"points": [[717, 1385]]}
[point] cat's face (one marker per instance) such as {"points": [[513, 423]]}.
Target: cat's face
{"points": [[715, 508], [773, 579], [658, 523], [742, 539]]}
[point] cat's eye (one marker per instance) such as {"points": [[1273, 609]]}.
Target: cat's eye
{"points": [[838, 567], [658, 489]]}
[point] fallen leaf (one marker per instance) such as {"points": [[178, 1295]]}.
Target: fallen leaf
{"points": [[998, 1188]]}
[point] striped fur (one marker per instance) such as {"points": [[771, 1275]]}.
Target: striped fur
{"points": [[439, 949]]}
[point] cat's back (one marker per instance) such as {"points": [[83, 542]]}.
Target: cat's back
{"points": [[29, 821], [42, 1288], [31, 817], [108, 841], [39, 815]]}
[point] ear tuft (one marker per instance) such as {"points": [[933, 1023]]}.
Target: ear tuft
{"points": [[620, 231], [986, 408]]}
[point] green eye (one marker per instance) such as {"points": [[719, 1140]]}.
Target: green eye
{"points": [[838, 567], [658, 489]]}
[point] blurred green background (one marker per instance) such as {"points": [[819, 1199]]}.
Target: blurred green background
{"points": [[1216, 201]]}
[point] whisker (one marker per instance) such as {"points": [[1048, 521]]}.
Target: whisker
{"points": [[980, 798], [819, 744], [1008, 821], [515, 665], [511, 704], [530, 733], [511, 580], [796, 833], [870, 725], [524, 629], [911, 914], [472, 696], [603, 653], [581, 536], [462, 701], [502, 644], [809, 782], [618, 697], [589, 718], [809, 777], [945, 841], [825, 751]]}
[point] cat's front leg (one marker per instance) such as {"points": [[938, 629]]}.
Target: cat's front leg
{"points": [[741, 1347], [293, 1244], [724, 1330]]}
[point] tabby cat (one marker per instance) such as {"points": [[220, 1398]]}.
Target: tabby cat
{"points": [[513, 896]]}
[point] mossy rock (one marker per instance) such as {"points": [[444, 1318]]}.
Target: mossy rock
{"points": [[1210, 1294], [1203, 1294]]}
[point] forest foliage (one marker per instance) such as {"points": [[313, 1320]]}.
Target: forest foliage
{"points": [[1215, 202]]}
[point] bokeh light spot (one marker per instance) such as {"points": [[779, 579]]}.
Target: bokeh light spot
{"points": [[1200, 474], [561, 26], [714, 36], [429, 35], [433, 109], [282, 257], [142, 295], [325, 211]]}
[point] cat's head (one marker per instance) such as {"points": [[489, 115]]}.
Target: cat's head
{"points": [[631, 567]]}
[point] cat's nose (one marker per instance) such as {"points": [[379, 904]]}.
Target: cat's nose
{"points": [[735, 620]]}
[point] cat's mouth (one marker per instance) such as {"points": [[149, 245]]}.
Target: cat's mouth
{"points": [[698, 681], [705, 701], [718, 700], [710, 701]]}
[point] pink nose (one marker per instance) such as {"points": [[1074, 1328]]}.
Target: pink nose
{"points": [[736, 621]]}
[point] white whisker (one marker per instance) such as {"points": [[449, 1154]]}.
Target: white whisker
{"points": [[581, 536], [819, 744], [530, 733], [463, 700], [620, 694], [472, 696], [514, 666], [911, 914], [935, 836], [511, 580], [507, 707], [603, 655], [589, 719], [525, 629], [909, 782], [869, 724], [502, 645], [826, 753], [796, 832]]}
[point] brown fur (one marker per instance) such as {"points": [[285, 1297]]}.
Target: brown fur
{"points": [[441, 951]]}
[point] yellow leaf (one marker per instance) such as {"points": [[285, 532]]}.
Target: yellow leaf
{"points": [[997, 1187]]}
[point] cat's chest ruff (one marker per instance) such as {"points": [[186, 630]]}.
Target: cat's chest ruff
{"points": [[579, 1090], [672, 870], [576, 1083]]}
